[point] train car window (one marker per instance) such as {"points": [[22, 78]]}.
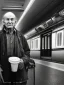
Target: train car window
{"points": [[36, 43], [49, 42], [53, 40], [43, 43], [59, 38], [32, 44]]}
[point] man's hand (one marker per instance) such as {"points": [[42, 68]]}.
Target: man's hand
{"points": [[21, 64]]}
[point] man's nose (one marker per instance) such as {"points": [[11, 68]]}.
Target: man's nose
{"points": [[9, 20]]}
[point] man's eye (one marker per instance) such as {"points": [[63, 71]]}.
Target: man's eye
{"points": [[8, 19], [11, 19]]}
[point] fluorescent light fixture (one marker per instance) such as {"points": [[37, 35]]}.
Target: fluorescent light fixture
{"points": [[53, 18], [12, 8], [26, 10], [30, 33], [41, 26]]}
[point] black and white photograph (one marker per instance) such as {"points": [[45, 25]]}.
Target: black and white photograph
{"points": [[31, 42]]}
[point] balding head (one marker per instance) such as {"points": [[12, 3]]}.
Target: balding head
{"points": [[9, 20], [9, 15]]}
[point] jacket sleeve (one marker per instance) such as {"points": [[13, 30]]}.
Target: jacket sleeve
{"points": [[26, 49], [0, 47]]}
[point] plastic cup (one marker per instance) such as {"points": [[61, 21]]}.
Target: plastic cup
{"points": [[14, 63]]}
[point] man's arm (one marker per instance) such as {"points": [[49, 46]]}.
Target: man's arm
{"points": [[0, 46], [1, 77], [24, 48], [26, 51]]}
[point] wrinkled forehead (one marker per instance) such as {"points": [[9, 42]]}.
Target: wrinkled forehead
{"points": [[9, 15]]}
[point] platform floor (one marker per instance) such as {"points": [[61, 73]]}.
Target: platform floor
{"points": [[48, 73]]}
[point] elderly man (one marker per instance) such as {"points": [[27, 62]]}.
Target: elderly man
{"points": [[13, 43]]}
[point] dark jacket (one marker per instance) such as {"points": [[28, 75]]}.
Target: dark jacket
{"points": [[21, 49]]}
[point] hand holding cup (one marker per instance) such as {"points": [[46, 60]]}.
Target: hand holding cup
{"points": [[14, 61], [21, 64]]}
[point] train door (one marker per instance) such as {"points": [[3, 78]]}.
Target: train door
{"points": [[46, 45]]}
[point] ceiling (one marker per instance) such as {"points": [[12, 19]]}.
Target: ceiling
{"points": [[17, 6], [40, 11], [14, 2]]}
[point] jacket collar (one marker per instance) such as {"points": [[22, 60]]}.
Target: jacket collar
{"points": [[9, 30]]}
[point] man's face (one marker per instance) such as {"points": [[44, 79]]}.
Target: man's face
{"points": [[9, 21]]}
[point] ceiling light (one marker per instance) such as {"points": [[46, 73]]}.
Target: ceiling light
{"points": [[24, 13], [61, 13]]}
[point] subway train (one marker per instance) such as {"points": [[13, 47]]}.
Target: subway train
{"points": [[46, 40], [42, 24]]}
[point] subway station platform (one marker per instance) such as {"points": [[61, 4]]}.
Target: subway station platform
{"points": [[48, 73]]}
